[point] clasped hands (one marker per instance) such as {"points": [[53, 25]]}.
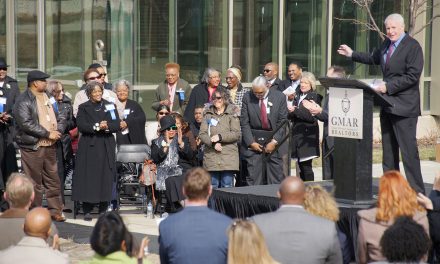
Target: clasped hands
{"points": [[270, 147]]}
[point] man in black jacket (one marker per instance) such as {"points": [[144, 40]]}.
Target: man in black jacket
{"points": [[401, 61], [8, 94], [37, 133]]}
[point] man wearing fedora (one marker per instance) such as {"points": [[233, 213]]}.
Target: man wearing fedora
{"points": [[8, 94], [37, 133]]}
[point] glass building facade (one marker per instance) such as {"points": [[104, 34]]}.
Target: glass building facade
{"points": [[140, 36]]}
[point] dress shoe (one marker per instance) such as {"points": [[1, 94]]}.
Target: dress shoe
{"points": [[87, 217], [58, 218]]}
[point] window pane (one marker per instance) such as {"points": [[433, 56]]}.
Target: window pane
{"points": [[26, 30], [152, 49], [64, 39], [202, 37], [255, 38], [305, 35], [3, 28]]}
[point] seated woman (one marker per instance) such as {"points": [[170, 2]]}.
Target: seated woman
{"points": [[247, 244], [133, 117], [305, 141], [113, 243], [321, 203], [395, 198], [171, 152]]}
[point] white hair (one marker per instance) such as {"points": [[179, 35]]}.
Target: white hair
{"points": [[122, 83], [395, 17], [260, 81]]}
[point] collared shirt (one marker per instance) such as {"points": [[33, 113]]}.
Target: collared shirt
{"points": [[172, 93], [396, 44], [295, 84], [265, 100]]}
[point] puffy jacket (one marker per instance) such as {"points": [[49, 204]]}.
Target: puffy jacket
{"points": [[27, 124]]}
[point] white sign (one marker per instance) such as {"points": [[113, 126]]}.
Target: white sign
{"points": [[345, 112]]}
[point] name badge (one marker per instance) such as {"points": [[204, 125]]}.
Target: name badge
{"points": [[213, 122], [109, 107], [3, 100]]}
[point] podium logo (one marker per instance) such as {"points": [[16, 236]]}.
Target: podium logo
{"points": [[345, 103]]}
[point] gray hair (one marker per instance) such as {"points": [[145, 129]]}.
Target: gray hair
{"points": [[260, 81], [309, 77], [224, 94], [395, 17], [91, 86], [122, 83], [208, 71]]}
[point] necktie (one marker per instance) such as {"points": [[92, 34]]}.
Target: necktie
{"points": [[263, 113], [389, 52]]}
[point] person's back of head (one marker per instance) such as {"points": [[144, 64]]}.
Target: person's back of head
{"points": [[247, 244], [405, 241], [321, 203], [336, 71], [395, 197], [292, 191], [37, 223], [19, 191], [110, 235], [197, 185]]}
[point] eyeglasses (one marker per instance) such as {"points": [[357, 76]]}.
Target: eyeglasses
{"points": [[217, 98], [229, 78], [171, 128], [3, 69], [267, 70], [163, 113]]}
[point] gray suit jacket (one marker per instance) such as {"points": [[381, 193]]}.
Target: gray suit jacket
{"points": [[162, 94], [295, 236], [32, 250]]}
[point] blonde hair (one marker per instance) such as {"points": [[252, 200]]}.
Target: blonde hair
{"points": [[321, 203], [310, 78], [247, 244]]}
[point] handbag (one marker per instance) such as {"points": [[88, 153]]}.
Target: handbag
{"points": [[148, 173]]}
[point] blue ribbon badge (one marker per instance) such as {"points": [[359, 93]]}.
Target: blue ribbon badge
{"points": [[2, 104], [181, 94], [54, 104], [111, 109]]}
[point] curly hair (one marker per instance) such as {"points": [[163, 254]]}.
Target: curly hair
{"points": [[405, 241], [321, 203], [395, 198], [91, 86]]}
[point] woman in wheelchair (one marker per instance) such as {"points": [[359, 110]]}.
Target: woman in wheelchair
{"points": [[172, 154]]}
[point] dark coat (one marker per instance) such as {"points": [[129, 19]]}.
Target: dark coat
{"points": [[163, 94], [434, 222], [305, 139], [135, 123], [186, 155], [28, 127], [401, 74], [276, 85], [95, 167], [199, 96]]}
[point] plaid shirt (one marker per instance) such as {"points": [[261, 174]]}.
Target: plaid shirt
{"points": [[241, 91]]}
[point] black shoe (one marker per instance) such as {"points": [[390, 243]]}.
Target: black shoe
{"points": [[87, 217]]}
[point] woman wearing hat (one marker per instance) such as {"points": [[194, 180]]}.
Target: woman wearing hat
{"points": [[172, 154], [95, 169], [236, 90]]}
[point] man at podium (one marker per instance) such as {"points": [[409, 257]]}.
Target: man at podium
{"points": [[401, 60]]}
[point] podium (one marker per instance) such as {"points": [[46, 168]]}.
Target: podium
{"points": [[352, 158]]}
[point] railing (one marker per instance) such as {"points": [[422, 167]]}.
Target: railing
{"points": [[288, 136]]}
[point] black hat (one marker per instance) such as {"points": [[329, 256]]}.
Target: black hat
{"points": [[95, 66], [37, 76], [166, 122], [3, 63]]}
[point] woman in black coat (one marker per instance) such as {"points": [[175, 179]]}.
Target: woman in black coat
{"points": [[305, 143], [173, 155], [95, 168], [64, 145], [133, 117]]}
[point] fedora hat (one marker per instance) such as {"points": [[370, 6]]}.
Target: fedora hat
{"points": [[3, 63], [166, 122]]}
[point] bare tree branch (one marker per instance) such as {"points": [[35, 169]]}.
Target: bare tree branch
{"points": [[426, 25]]}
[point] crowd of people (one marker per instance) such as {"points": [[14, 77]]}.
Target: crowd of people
{"points": [[212, 136]]}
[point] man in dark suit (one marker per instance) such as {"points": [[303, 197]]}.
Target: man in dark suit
{"points": [[196, 234], [401, 60], [174, 92], [270, 72], [294, 71], [295, 236], [256, 125]]}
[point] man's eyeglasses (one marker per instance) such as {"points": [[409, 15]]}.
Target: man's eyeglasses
{"points": [[172, 128], [217, 98], [267, 70], [163, 113], [3, 69]]}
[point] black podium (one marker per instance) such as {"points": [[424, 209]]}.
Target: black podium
{"points": [[352, 170]]}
